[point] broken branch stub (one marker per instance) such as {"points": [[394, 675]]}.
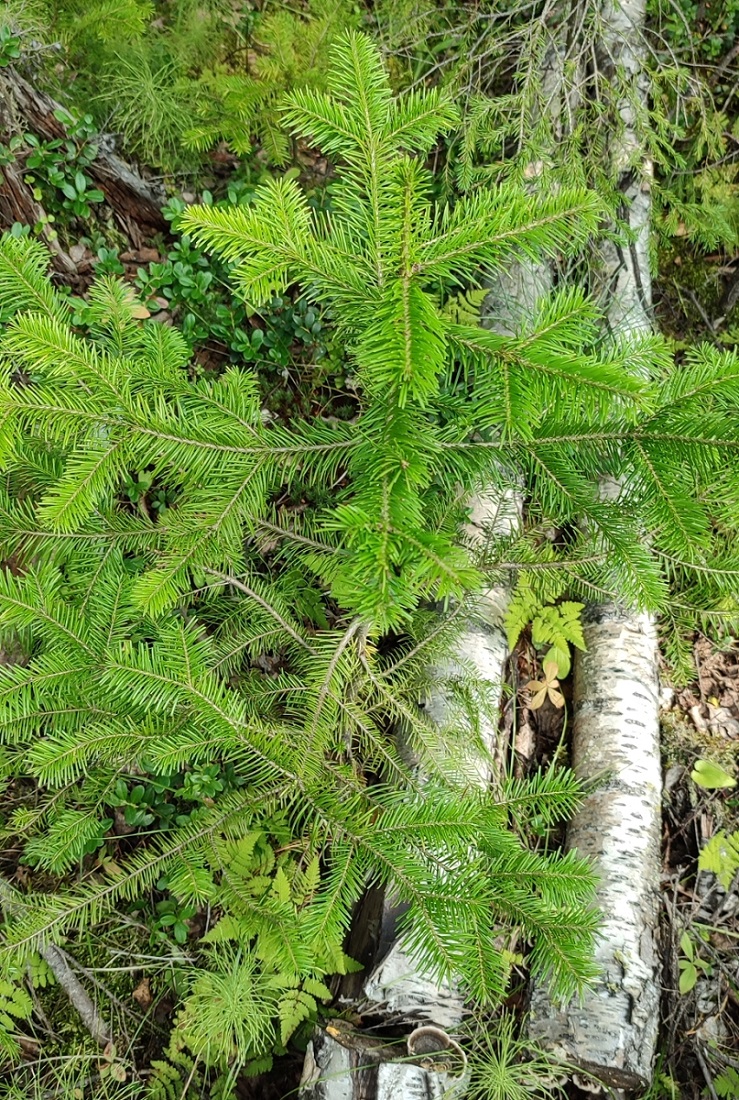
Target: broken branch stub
{"points": [[343, 1064]]}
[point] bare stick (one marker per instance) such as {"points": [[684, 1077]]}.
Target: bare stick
{"points": [[78, 995], [57, 960]]}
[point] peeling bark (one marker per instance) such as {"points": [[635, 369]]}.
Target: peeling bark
{"points": [[340, 1066]]}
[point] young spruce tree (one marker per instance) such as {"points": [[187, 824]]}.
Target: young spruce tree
{"points": [[214, 672]]}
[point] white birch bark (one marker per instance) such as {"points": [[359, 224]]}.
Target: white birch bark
{"points": [[625, 266], [397, 985], [336, 1067], [348, 1066], [613, 1031]]}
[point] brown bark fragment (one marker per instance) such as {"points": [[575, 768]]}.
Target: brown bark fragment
{"points": [[17, 204], [135, 201]]}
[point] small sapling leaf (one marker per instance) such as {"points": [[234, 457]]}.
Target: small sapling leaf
{"points": [[711, 776], [548, 687]]}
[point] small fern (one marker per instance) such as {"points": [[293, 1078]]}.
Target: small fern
{"points": [[39, 972], [720, 856], [181, 1076], [726, 1083], [15, 1005], [295, 1007], [464, 308], [554, 627]]}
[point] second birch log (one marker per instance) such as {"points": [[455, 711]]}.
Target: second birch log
{"points": [[612, 1032]]}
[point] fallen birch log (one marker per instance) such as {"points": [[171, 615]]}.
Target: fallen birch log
{"points": [[482, 648], [481, 651], [397, 987], [612, 1032]]}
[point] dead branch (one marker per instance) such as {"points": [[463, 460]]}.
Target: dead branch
{"points": [[135, 201], [59, 963], [78, 995]]}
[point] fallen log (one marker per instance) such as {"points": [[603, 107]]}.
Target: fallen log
{"points": [[17, 204], [136, 202], [396, 984], [17, 201], [482, 647], [612, 1031]]}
